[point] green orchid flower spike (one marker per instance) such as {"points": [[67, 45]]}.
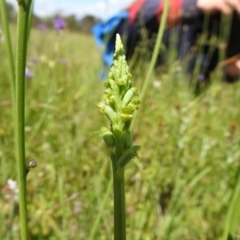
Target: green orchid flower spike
{"points": [[119, 102]]}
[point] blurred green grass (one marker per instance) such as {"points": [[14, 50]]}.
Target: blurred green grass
{"points": [[180, 186]]}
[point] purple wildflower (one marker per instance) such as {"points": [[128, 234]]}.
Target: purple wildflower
{"points": [[63, 61], [33, 59], [201, 77], [59, 23], [28, 74], [42, 27]]}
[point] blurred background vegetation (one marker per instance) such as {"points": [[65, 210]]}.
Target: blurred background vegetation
{"points": [[83, 25], [178, 188]]}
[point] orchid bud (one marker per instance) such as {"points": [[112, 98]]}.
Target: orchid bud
{"points": [[108, 137]]}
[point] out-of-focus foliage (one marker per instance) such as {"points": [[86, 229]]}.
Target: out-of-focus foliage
{"points": [[83, 25]]}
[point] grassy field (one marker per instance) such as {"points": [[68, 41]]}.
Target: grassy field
{"points": [[180, 186]]}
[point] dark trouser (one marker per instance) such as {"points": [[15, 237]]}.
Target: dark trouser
{"points": [[233, 47]]}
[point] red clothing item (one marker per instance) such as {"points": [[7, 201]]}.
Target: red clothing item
{"points": [[174, 11], [134, 10]]}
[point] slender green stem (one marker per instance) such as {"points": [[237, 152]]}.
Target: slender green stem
{"points": [[118, 191], [119, 203], [155, 55], [100, 212], [232, 220], [156, 50], [7, 36], [30, 16], [22, 35], [11, 220]]}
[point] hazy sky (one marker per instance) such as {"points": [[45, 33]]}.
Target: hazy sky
{"points": [[100, 8]]}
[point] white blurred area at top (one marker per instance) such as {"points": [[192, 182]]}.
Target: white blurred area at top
{"points": [[102, 9]]}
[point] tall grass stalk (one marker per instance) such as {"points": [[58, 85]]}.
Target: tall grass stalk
{"points": [[30, 16], [119, 102], [11, 220], [155, 53], [24, 11], [96, 223], [156, 49], [233, 214], [8, 41]]}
